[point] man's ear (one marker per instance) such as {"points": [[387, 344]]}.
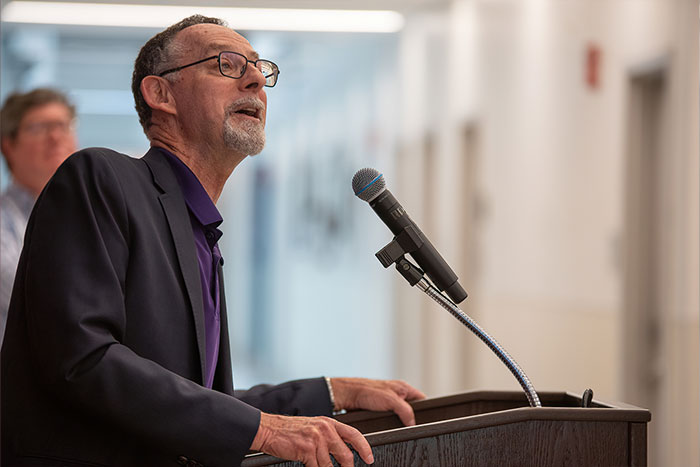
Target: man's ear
{"points": [[7, 146], [157, 94]]}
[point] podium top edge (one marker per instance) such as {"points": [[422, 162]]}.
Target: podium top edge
{"points": [[549, 399], [505, 417]]}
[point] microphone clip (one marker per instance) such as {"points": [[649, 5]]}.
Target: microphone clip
{"points": [[408, 241], [412, 273]]}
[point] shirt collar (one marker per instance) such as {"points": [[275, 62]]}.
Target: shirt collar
{"points": [[196, 197], [24, 199]]}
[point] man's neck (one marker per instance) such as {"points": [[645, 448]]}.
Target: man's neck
{"points": [[211, 168], [30, 184]]}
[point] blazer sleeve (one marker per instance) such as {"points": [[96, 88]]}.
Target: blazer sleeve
{"points": [[305, 397], [76, 274]]}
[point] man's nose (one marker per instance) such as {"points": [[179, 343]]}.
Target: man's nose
{"points": [[253, 78]]}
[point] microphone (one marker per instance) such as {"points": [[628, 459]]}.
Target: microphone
{"points": [[369, 185]]}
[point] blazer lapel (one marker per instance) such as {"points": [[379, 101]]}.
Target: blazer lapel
{"points": [[223, 378], [175, 209]]}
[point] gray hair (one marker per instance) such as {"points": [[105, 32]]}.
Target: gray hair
{"points": [[156, 55]]}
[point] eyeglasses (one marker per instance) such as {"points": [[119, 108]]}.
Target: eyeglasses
{"points": [[44, 128], [233, 65]]}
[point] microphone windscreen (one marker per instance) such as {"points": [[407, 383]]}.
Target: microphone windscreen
{"points": [[368, 183]]}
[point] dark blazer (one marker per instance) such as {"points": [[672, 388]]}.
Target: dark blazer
{"points": [[103, 357]]}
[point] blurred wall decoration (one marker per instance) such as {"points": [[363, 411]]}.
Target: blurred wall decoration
{"points": [[549, 150]]}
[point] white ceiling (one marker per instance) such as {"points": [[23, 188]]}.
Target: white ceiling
{"points": [[405, 6]]}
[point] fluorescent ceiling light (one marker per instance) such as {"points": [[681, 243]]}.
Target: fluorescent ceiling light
{"points": [[160, 16]]}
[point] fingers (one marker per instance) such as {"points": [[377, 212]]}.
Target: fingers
{"points": [[406, 391], [394, 401], [414, 394], [322, 457], [311, 440], [357, 393], [360, 393], [331, 441], [357, 441], [339, 450], [336, 446], [404, 411]]}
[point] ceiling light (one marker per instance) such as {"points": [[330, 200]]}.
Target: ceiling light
{"points": [[161, 16]]}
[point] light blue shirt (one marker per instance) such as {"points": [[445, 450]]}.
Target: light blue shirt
{"points": [[15, 206]]}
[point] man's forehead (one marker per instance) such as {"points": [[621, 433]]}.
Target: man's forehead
{"points": [[47, 107], [213, 38]]}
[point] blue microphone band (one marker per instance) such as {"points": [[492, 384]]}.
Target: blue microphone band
{"points": [[357, 193]]}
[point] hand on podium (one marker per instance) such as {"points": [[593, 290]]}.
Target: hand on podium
{"points": [[312, 440], [376, 395]]}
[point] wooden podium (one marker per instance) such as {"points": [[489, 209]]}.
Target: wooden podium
{"points": [[498, 428]]}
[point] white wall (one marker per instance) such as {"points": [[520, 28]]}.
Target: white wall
{"points": [[550, 186]]}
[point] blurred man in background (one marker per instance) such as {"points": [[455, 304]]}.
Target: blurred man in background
{"points": [[37, 135]]}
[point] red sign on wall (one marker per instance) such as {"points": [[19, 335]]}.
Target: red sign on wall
{"points": [[593, 63]]}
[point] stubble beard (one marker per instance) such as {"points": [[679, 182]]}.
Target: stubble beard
{"points": [[246, 137]]}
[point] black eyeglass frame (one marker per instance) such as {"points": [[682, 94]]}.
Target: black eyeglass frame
{"points": [[276, 69]]}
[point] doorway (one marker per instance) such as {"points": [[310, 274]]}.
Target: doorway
{"points": [[644, 265]]}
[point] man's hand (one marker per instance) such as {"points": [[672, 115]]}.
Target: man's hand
{"points": [[310, 440], [378, 395]]}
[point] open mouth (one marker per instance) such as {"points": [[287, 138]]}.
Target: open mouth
{"points": [[251, 109], [248, 112]]}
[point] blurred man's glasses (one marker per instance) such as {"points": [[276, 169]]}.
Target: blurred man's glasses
{"points": [[44, 128], [233, 65]]}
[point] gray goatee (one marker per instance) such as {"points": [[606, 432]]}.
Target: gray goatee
{"points": [[247, 136]]}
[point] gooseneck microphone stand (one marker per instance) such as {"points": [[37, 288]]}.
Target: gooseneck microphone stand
{"points": [[369, 185], [416, 277]]}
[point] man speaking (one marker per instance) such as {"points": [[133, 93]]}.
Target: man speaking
{"points": [[116, 351]]}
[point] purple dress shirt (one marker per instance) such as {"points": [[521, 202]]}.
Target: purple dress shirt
{"points": [[205, 219]]}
